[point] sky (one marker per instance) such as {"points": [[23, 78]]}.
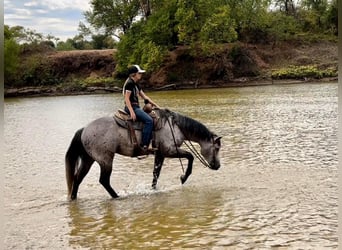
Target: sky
{"points": [[59, 18]]}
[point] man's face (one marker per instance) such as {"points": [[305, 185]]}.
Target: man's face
{"points": [[139, 76]]}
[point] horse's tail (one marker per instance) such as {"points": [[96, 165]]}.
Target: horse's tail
{"points": [[75, 151]]}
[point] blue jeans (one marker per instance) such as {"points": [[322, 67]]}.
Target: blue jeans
{"points": [[148, 124]]}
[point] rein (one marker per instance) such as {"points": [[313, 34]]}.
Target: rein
{"points": [[197, 154], [174, 140], [190, 147]]}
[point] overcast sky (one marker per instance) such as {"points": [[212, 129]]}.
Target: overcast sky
{"points": [[59, 18]]}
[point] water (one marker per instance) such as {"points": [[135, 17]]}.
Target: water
{"points": [[276, 188]]}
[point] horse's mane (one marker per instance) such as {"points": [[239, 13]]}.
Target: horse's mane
{"points": [[189, 127]]}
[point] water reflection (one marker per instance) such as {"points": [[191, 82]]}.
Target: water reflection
{"points": [[144, 221], [276, 188]]}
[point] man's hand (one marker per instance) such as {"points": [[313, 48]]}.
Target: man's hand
{"points": [[134, 117]]}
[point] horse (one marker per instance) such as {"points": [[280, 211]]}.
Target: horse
{"points": [[102, 138]]}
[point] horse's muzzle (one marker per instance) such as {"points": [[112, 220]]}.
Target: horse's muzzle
{"points": [[214, 166]]}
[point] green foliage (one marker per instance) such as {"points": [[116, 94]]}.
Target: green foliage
{"points": [[146, 41], [112, 14], [65, 46], [251, 18], [187, 27], [35, 71], [152, 55], [160, 27], [282, 26], [98, 81], [219, 28], [300, 72], [11, 58], [100, 41], [131, 50], [332, 18], [319, 16]]}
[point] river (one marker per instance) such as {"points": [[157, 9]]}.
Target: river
{"points": [[276, 188]]}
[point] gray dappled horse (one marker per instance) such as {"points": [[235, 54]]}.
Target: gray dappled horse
{"points": [[103, 137]]}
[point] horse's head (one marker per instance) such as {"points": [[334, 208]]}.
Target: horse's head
{"points": [[210, 151]]}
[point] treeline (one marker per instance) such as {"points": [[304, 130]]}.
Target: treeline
{"points": [[203, 24], [145, 30]]}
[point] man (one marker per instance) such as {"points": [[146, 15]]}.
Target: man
{"points": [[131, 92]]}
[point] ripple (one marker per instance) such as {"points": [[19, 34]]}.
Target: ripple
{"points": [[276, 188]]}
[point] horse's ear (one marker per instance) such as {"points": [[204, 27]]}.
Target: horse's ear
{"points": [[217, 139]]}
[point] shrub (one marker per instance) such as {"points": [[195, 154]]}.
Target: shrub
{"points": [[300, 72]]}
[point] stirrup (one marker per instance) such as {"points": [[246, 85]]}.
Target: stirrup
{"points": [[144, 153]]}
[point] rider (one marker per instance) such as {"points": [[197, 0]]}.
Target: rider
{"points": [[131, 92]]}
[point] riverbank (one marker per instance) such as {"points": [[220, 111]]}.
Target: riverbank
{"points": [[58, 91], [228, 65]]}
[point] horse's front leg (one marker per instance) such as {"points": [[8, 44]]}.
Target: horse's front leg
{"points": [[188, 171], [185, 154], [158, 163]]}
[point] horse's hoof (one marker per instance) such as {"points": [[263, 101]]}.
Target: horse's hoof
{"points": [[182, 178]]}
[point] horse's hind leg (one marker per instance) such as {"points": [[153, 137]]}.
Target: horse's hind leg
{"points": [[158, 163], [82, 171], [106, 171]]}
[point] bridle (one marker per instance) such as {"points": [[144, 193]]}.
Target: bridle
{"points": [[200, 157], [191, 147]]}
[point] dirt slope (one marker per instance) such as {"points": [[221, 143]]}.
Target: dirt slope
{"points": [[232, 65], [242, 63], [83, 63]]}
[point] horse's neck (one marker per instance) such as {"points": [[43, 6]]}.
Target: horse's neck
{"points": [[191, 137], [192, 130], [196, 140], [192, 134]]}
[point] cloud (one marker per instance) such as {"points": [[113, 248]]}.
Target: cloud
{"points": [[31, 4], [59, 18], [66, 4]]}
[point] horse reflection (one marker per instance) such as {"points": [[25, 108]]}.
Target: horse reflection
{"points": [[164, 219]]}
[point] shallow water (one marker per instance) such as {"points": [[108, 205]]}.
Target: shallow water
{"points": [[276, 188]]}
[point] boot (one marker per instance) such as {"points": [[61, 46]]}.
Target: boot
{"points": [[148, 150]]}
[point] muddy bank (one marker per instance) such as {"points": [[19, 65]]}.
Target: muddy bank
{"points": [[57, 91], [230, 65]]}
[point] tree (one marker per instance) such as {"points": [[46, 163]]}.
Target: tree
{"points": [[112, 15], [282, 26], [188, 25], [11, 53], [332, 17], [145, 6], [316, 11], [286, 6], [102, 42], [219, 27], [65, 46], [160, 26]]}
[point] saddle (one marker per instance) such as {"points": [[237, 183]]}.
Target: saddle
{"points": [[124, 120]]}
